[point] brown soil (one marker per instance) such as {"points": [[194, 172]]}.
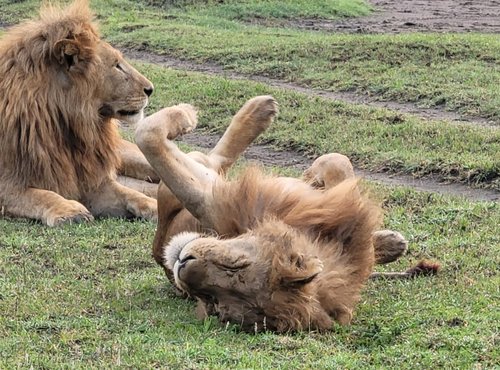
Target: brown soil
{"points": [[398, 16], [266, 155]]}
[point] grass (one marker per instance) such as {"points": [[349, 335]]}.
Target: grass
{"points": [[90, 296], [374, 138], [454, 71], [268, 9]]}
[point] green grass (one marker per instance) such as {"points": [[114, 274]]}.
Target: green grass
{"points": [[375, 139], [454, 71], [268, 9], [91, 296], [457, 72]]}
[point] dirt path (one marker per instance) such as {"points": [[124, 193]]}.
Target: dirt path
{"points": [[398, 16], [284, 158], [216, 70]]}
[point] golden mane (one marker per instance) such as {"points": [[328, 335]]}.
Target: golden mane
{"points": [[258, 196], [46, 141]]}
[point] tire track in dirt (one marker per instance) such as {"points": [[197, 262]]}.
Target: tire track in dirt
{"points": [[269, 156], [348, 97]]}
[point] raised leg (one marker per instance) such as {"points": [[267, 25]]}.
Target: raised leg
{"points": [[250, 121], [190, 181], [331, 169]]}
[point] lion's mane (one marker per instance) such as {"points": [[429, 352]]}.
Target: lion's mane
{"points": [[50, 125]]}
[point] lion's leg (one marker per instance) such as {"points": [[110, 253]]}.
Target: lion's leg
{"points": [[389, 245], [250, 121], [47, 206], [115, 200], [190, 181], [173, 218], [134, 164], [331, 169], [147, 188], [328, 171]]}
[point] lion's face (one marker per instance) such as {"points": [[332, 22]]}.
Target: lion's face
{"points": [[260, 280], [123, 93]]}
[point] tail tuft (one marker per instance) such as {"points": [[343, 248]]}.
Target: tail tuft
{"points": [[424, 268]]}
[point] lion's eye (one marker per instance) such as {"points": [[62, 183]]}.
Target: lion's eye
{"points": [[233, 267], [119, 67]]}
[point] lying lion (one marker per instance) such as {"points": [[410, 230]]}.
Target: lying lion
{"points": [[264, 252], [62, 90]]}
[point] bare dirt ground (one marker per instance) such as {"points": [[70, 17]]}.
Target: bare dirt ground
{"points": [[266, 155], [397, 16]]}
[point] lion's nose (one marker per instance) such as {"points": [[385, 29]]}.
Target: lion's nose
{"points": [[184, 261], [148, 90]]}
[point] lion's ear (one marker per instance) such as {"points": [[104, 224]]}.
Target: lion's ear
{"points": [[299, 270], [66, 52]]}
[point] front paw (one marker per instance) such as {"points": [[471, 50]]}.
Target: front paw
{"points": [[144, 207], [69, 212], [167, 123]]}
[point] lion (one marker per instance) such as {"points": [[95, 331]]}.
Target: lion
{"points": [[264, 252], [62, 92]]}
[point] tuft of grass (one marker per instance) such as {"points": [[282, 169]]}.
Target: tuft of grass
{"points": [[268, 9]]}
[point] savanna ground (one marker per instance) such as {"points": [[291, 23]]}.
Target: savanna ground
{"points": [[399, 103]]}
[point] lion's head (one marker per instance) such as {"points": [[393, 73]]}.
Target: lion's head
{"points": [[61, 89], [260, 280], [124, 92]]}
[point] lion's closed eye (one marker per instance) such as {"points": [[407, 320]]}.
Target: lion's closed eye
{"points": [[235, 266]]}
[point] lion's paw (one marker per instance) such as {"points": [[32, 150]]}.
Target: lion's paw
{"points": [[144, 207], [168, 122], [389, 245], [182, 120], [261, 108], [71, 212]]}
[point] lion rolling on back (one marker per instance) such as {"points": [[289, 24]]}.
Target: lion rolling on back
{"points": [[62, 90], [264, 252]]}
